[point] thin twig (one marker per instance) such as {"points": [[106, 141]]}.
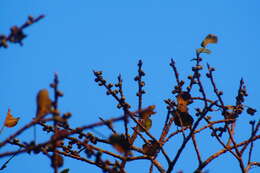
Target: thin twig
{"points": [[224, 150], [173, 162], [196, 147]]}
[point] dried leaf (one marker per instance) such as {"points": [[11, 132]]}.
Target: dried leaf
{"points": [[211, 38], [183, 99], [60, 134], [230, 107], [120, 143], [182, 107], [151, 148], [43, 103], [203, 50], [147, 112], [182, 119], [10, 121], [57, 160]]}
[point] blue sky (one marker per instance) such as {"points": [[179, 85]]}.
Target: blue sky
{"points": [[80, 36]]}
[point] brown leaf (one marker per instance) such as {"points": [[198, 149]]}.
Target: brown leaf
{"points": [[43, 103], [182, 107], [10, 121], [230, 107], [57, 161], [147, 112], [60, 134], [151, 148], [211, 38], [183, 99], [182, 119], [120, 143]]}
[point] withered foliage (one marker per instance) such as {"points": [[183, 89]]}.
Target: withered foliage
{"points": [[182, 119]]}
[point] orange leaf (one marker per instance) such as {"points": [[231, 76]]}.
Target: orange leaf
{"points": [[211, 38], [182, 107], [147, 112], [10, 121], [183, 100], [43, 103]]}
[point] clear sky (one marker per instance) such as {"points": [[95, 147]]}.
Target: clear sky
{"points": [[79, 36]]}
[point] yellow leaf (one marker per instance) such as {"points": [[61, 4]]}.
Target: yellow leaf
{"points": [[147, 123], [43, 103], [211, 38], [10, 121]]}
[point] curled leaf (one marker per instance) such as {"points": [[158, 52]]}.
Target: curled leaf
{"points": [[211, 38], [147, 123], [151, 148], [182, 107], [183, 99], [10, 121], [147, 112], [43, 103], [182, 119], [203, 50]]}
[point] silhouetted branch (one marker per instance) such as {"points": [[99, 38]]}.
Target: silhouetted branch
{"points": [[17, 35]]}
